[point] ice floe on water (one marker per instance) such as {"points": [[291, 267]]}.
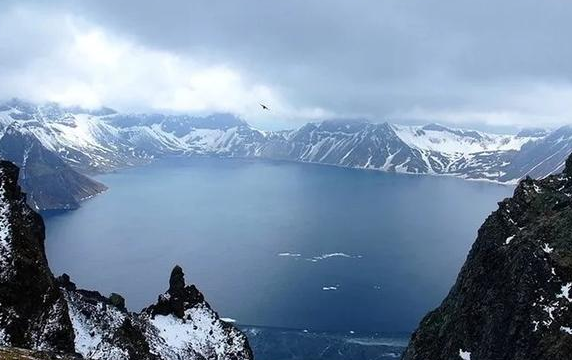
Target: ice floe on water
{"points": [[321, 257], [330, 288], [333, 255], [289, 254], [228, 320]]}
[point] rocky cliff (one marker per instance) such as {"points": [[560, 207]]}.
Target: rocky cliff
{"points": [[513, 297], [51, 316]]}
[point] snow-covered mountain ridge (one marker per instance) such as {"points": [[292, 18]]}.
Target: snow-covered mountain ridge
{"points": [[439, 138], [98, 141]]}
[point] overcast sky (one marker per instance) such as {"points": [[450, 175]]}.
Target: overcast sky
{"points": [[486, 64]]}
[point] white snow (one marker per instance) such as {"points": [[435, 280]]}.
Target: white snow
{"points": [[535, 323], [547, 249], [450, 141], [509, 239], [566, 329], [200, 331], [565, 292], [92, 332], [465, 355], [5, 232], [3, 338]]}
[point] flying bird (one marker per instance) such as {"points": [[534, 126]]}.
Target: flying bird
{"points": [[264, 107]]}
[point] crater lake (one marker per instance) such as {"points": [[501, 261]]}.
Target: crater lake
{"points": [[277, 244]]}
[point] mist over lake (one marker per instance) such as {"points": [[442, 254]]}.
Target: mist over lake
{"points": [[274, 243]]}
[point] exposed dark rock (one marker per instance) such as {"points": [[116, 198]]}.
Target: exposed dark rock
{"points": [[568, 166], [513, 297], [118, 301], [65, 282], [135, 343], [33, 314], [177, 279]]}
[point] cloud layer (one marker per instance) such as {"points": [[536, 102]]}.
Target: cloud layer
{"points": [[483, 64]]}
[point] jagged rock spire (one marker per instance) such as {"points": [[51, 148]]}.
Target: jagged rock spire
{"points": [[177, 279], [178, 298]]}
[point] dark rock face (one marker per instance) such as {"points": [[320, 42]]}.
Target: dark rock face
{"points": [[33, 314], [513, 296], [568, 167], [118, 301], [50, 182]]}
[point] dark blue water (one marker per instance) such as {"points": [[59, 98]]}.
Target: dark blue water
{"points": [[227, 221]]}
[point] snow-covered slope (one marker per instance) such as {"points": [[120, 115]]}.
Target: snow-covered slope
{"points": [[104, 329], [439, 138]]}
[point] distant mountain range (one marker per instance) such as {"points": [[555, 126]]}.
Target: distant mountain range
{"points": [[90, 141]]}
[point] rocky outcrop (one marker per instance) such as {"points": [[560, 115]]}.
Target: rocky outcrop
{"points": [[513, 297], [181, 325], [178, 298], [51, 183], [33, 313], [52, 317]]}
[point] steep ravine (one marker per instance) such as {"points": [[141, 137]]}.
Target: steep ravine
{"points": [[513, 297], [51, 316]]}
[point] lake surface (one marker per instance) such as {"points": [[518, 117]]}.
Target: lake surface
{"points": [[277, 244]]}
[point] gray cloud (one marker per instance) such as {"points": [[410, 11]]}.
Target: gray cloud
{"points": [[485, 63]]}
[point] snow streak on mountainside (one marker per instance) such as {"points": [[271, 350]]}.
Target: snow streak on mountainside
{"points": [[96, 141]]}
